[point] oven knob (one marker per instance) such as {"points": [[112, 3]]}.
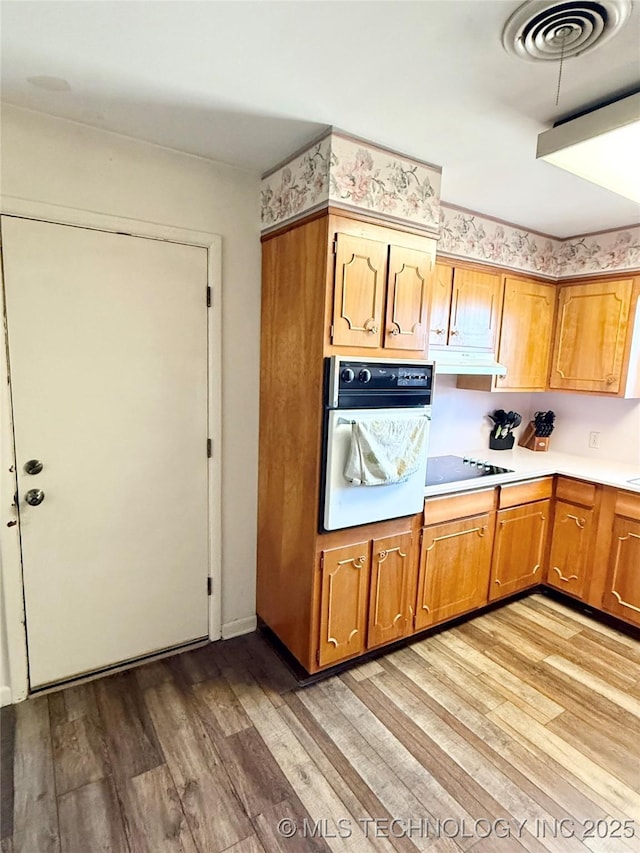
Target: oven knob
{"points": [[347, 375], [364, 375]]}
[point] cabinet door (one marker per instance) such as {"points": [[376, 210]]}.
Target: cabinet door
{"points": [[525, 334], [622, 595], [455, 562], [392, 593], [407, 299], [359, 288], [441, 288], [590, 336], [474, 310], [519, 548], [344, 584], [570, 546]]}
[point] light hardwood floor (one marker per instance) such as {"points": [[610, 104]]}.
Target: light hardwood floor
{"points": [[522, 725]]}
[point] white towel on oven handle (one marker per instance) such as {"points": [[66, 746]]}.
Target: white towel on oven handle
{"points": [[386, 451]]}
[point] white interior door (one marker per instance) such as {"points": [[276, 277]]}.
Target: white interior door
{"points": [[108, 359]]}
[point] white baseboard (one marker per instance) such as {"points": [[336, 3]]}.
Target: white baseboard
{"points": [[5, 695], [238, 627]]}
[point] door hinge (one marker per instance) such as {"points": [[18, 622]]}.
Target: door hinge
{"points": [[209, 298], [209, 448], [322, 561], [334, 247], [318, 657], [208, 586], [331, 331]]}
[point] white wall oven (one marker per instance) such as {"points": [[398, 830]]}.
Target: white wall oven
{"points": [[375, 440]]}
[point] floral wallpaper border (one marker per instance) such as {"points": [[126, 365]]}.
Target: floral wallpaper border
{"points": [[472, 236], [468, 235], [350, 173], [341, 171]]}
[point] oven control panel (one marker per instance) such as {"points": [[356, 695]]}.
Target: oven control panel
{"points": [[354, 374], [375, 383]]}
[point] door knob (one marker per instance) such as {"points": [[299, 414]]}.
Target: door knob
{"points": [[33, 466], [34, 497]]}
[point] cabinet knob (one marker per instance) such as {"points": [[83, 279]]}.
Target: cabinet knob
{"points": [[439, 331], [394, 332], [373, 330], [610, 379], [454, 332]]}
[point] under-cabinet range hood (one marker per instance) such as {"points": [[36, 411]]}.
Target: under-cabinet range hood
{"points": [[469, 363]]}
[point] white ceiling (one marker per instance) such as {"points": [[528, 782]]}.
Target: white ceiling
{"points": [[247, 83]]}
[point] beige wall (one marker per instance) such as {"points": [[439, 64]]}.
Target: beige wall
{"points": [[55, 161]]}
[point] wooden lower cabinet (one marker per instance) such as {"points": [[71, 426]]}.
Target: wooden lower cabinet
{"points": [[455, 562], [344, 585], [392, 593], [570, 548], [519, 548], [622, 592], [379, 590]]}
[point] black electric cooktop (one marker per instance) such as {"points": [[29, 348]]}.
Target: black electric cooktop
{"points": [[451, 469]]}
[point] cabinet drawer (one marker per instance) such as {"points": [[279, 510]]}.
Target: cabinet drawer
{"points": [[576, 491], [524, 493], [628, 504], [437, 510]]}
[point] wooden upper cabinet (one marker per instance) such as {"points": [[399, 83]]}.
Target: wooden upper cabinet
{"points": [[455, 562], [381, 291], [392, 594], [359, 291], [475, 314], [407, 299], [591, 336], [441, 289], [343, 608], [525, 334], [519, 548], [569, 561]]}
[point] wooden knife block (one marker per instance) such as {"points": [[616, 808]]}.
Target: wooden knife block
{"points": [[531, 441]]}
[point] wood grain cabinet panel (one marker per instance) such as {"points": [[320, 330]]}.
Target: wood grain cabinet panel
{"points": [[359, 291], [622, 593], [380, 294], [455, 562], [392, 594], [569, 561], [475, 307], [519, 548], [407, 299], [441, 290], [343, 608], [525, 334], [590, 336]]}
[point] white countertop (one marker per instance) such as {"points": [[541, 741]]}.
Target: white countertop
{"points": [[528, 464]]}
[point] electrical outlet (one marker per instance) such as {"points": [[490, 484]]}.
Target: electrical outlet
{"points": [[594, 440]]}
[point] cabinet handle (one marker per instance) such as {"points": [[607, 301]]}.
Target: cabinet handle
{"points": [[439, 331], [579, 521], [454, 332]]}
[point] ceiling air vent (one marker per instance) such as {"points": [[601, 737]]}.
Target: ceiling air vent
{"points": [[544, 30]]}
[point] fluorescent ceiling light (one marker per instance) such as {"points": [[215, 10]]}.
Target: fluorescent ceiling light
{"points": [[602, 146]]}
